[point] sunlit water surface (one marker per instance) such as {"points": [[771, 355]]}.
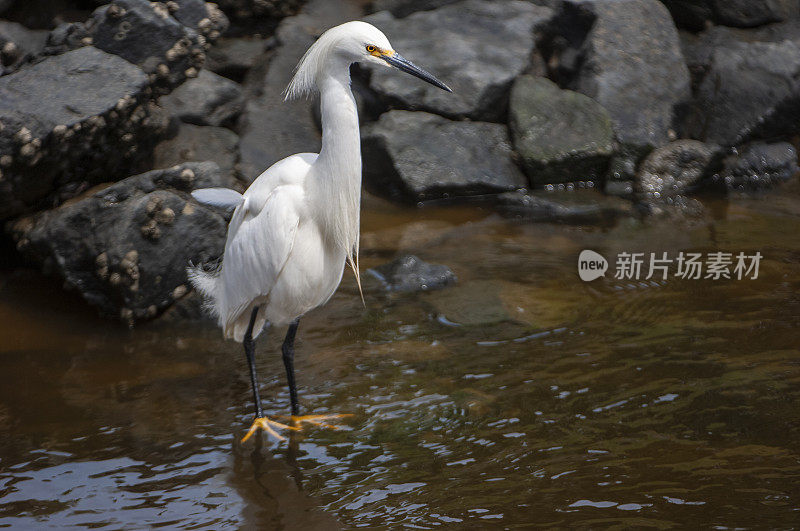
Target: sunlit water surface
{"points": [[521, 397]]}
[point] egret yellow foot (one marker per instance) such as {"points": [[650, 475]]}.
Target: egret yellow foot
{"points": [[267, 425], [318, 420]]}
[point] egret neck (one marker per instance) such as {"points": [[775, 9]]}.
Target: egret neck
{"points": [[336, 174]]}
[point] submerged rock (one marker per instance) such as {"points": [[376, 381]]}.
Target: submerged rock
{"points": [[560, 135], [209, 99], [194, 143], [476, 47], [675, 169], [409, 273], [761, 165], [416, 156], [567, 206], [749, 92], [626, 55], [125, 248], [67, 121]]}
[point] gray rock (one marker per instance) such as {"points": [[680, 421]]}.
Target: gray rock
{"points": [[18, 43], [419, 156], [403, 8], [581, 206], [233, 57], [145, 34], [630, 61], [270, 128], [751, 91], [195, 143], [675, 169], [761, 165], [697, 14], [69, 121], [409, 273], [468, 46], [246, 12], [125, 248], [209, 99], [560, 135]]}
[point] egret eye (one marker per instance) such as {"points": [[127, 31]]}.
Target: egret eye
{"points": [[371, 48]]}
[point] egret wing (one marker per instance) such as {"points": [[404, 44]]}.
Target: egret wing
{"points": [[260, 239]]}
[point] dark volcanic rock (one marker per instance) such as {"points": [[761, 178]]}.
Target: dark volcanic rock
{"points": [[626, 55], [560, 135], [761, 165], [125, 248], [409, 273], [67, 121], [248, 12], [18, 43], [233, 57], [209, 99], [585, 206], [697, 14], [270, 128], [195, 143], [417, 156], [751, 91], [145, 34], [467, 45], [675, 169]]}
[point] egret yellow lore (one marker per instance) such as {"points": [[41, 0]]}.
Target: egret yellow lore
{"points": [[297, 225]]}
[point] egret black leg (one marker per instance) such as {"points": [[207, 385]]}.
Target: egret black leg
{"points": [[249, 351], [288, 362]]}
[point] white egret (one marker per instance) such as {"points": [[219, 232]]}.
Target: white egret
{"points": [[297, 225]]}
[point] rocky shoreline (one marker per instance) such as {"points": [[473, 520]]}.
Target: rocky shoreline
{"points": [[112, 112]]}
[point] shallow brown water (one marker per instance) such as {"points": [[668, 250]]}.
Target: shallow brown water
{"points": [[522, 397]]}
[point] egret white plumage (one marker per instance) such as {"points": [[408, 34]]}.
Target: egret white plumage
{"points": [[297, 225]]}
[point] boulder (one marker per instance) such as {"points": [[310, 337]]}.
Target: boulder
{"points": [[560, 135], [209, 99], [194, 143], [18, 44], [626, 55], [271, 129], [146, 34], [417, 156], [760, 165], [248, 12], [477, 47], [675, 169], [751, 91], [695, 15], [233, 57], [125, 248], [69, 121], [409, 273]]}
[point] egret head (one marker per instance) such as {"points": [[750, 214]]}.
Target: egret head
{"points": [[348, 43]]}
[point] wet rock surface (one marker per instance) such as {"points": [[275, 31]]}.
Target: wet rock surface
{"points": [[67, 121], [415, 156], [194, 143], [560, 135], [125, 248], [761, 165], [466, 45], [675, 169], [750, 91], [409, 273], [208, 99], [626, 55]]}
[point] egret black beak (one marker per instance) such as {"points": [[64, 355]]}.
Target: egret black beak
{"points": [[407, 66]]}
